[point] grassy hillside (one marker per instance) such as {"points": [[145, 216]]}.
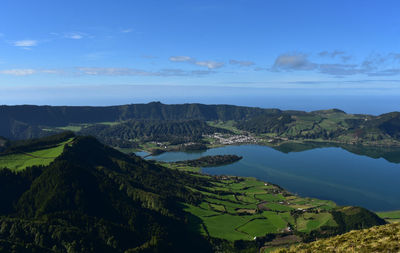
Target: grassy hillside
{"points": [[244, 208], [236, 208], [391, 216], [18, 155], [18, 161], [329, 125], [376, 239]]}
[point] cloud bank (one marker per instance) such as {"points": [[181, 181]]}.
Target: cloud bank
{"points": [[375, 65]]}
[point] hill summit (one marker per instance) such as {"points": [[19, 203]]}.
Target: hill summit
{"points": [[93, 198]]}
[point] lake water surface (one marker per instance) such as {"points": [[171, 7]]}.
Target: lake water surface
{"points": [[326, 173]]}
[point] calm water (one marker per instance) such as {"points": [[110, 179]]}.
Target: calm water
{"points": [[325, 173]]}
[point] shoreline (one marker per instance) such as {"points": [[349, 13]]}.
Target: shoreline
{"points": [[200, 169]]}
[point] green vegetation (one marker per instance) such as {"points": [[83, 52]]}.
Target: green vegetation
{"points": [[375, 239], [130, 133], [390, 216], [229, 125], [326, 126], [19, 155], [122, 126], [20, 161], [210, 161], [244, 208], [311, 221], [74, 128], [93, 198]]}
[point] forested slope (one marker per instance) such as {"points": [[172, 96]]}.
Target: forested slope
{"points": [[154, 120], [93, 198], [22, 121], [174, 131]]}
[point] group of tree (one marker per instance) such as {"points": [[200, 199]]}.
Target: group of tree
{"points": [[153, 121], [93, 198], [173, 131], [211, 161]]}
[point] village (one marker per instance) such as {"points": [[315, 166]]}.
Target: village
{"points": [[232, 139]]}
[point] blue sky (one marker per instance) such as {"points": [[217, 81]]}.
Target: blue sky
{"points": [[344, 47]]}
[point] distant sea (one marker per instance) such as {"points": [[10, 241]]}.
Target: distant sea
{"points": [[368, 101]]}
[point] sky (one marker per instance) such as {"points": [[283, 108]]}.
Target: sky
{"points": [[94, 52]]}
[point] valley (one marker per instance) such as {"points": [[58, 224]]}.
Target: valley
{"points": [[202, 178], [229, 212], [199, 126]]}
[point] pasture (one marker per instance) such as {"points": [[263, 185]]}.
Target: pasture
{"points": [[20, 160], [243, 208]]}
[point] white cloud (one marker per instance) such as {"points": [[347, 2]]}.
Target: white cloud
{"points": [[74, 36], [99, 71], [376, 65], [110, 71], [95, 71], [181, 59], [18, 72], [210, 64], [25, 43], [188, 59], [51, 71], [293, 61]]}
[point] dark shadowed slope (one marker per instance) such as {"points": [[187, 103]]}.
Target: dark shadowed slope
{"points": [[95, 199]]}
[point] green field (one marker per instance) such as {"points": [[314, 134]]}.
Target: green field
{"points": [[79, 127], [244, 208], [20, 161], [391, 216], [310, 221], [228, 125]]}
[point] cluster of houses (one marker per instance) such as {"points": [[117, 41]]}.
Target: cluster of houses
{"points": [[233, 139]]}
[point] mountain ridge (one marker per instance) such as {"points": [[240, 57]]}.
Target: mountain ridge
{"points": [[334, 125]]}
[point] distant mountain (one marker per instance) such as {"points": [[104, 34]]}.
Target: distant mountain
{"points": [[328, 125], [15, 116], [154, 120]]}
